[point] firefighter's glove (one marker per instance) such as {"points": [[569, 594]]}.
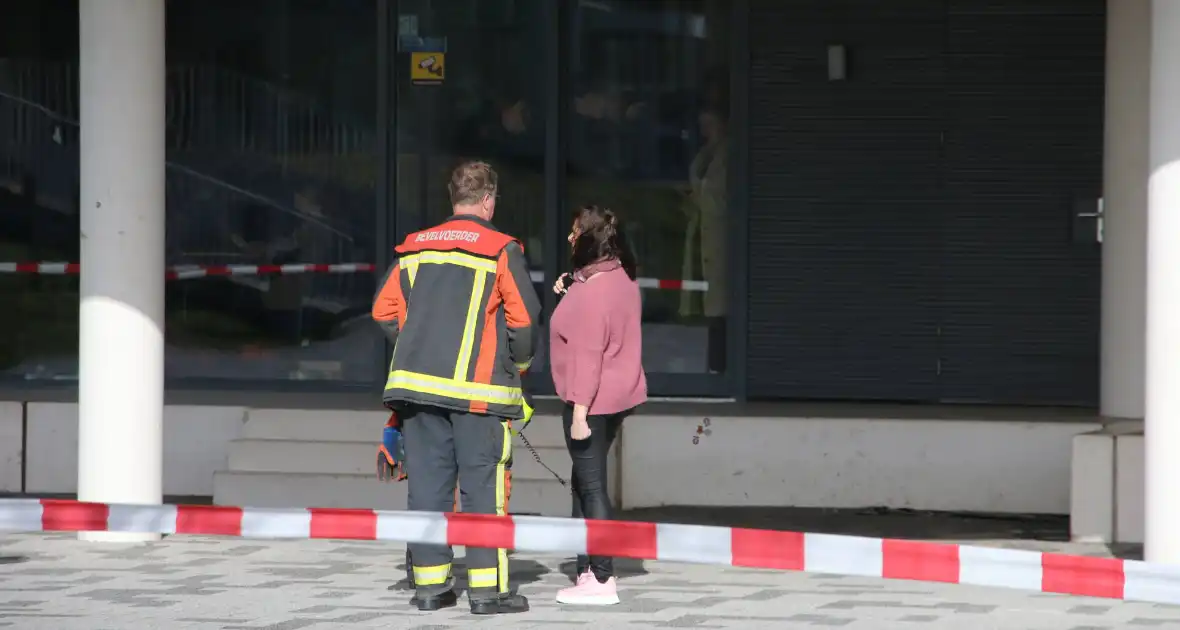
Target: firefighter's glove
{"points": [[391, 455], [527, 405]]}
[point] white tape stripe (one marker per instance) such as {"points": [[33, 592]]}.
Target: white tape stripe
{"points": [[416, 527], [52, 268], [842, 555], [145, 519], [7, 267], [1151, 582], [542, 534], [275, 523], [694, 543], [21, 515], [193, 273], [1005, 568]]}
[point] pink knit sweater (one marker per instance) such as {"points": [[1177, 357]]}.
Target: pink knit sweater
{"points": [[596, 344]]}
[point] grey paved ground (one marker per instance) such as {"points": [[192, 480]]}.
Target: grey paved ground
{"points": [[232, 584]]}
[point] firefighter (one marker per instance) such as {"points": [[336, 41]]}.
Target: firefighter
{"points": [[461, 311], [391, 466]]}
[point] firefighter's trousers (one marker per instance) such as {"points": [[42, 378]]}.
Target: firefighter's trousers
{"points": [[442, 446]]}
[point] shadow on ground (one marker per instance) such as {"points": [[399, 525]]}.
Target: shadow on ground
{"points": [[524, 572], [1038, 532]]}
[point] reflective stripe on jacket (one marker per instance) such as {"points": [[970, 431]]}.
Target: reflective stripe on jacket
{"points": [[462, 313]]}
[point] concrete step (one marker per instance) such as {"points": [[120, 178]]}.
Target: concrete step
{"points": [[359, 458], [309, 425], [296, 490]]}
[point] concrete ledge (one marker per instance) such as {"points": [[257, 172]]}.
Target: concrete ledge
{"points": [[12, 436], [196, 444], [990, 462], [980, 465]]}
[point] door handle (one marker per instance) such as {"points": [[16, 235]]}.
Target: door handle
{"points": [[1087, 211]]}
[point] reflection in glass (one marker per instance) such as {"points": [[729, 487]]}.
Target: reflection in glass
{"points": [[649, 140], [272, 162], [707, 230], [491, 107], [39, 187]]}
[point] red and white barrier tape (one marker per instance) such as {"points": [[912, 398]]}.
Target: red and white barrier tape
{"points": [[817, 553], [187, 272]]}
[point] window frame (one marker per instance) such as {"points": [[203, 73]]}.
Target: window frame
{"points": [[556, 48], [558, 44]]}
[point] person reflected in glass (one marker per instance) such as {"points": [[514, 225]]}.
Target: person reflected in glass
{"points": [[505, 126], [596, 359], [270, 237], [605, 117], [707, 209]]}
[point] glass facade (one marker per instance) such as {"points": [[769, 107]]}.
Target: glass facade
{"points": [[39, 188], [649, 110], [273, 161], [490, 105], [317, 132]]}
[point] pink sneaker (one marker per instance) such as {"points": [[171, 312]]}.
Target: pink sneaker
{"points": [[590, 592]]}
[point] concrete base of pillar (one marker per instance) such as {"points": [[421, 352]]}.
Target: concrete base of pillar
{"points": [[1129, 486], [1106, 484], [1091, 488], [118, 537]]}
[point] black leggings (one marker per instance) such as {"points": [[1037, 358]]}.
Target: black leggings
{"points": [[589, 478]]}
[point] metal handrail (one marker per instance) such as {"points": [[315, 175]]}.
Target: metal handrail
{"points": [[49, 113]]}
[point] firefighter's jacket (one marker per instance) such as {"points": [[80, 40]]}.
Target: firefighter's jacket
{"points": [[461, 311]]}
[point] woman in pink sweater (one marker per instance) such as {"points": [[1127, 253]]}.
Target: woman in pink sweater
{"points": [[595, 342]]}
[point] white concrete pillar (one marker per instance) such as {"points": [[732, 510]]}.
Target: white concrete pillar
{"points": [[121, 337], [1124, 184], [1162, 438]]}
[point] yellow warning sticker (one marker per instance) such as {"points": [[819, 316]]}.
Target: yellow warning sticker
{"points": [[428, 67]]}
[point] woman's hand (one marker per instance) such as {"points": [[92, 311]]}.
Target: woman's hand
{"points": [[580, 428], [559, 286]]}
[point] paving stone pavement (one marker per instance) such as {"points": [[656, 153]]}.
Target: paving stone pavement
{"points": [[55, 582]]}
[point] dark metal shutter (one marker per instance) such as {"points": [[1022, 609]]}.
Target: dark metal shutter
{"points": [[1021, 292], [844, 199]]}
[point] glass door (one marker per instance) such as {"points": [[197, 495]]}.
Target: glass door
{"points": [[470, 85], [648, 137]]}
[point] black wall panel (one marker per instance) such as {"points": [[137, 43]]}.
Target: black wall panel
{"points": [[911, 227]]}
